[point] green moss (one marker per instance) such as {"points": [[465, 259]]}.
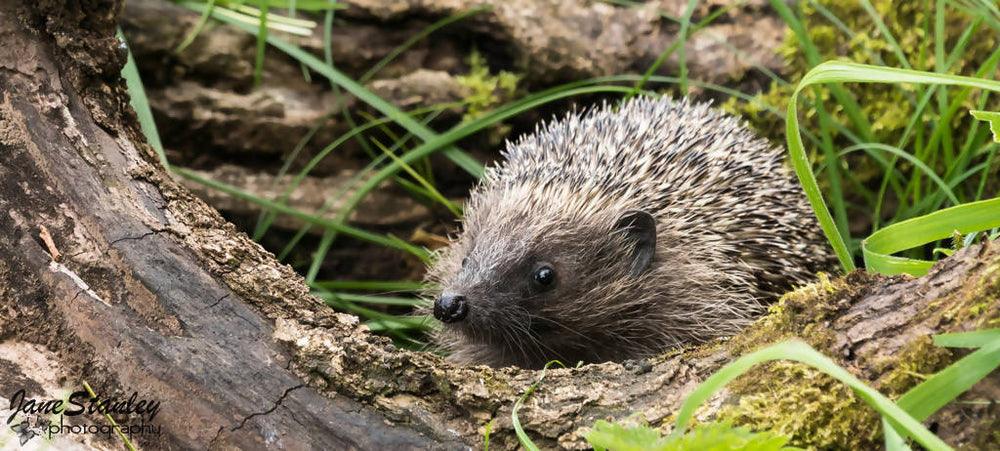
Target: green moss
{"points": [[985, 307], [979, 301], [486, 90], [916, 362], [801, 314], [491, 383], [816, 410], [759, 116], [827, 414], [442, 382]]}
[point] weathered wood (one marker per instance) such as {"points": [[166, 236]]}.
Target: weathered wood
{"points": [[132, 306], [155, 293]]}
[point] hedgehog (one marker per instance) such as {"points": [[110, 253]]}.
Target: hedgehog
{"points": [[622, 234]]}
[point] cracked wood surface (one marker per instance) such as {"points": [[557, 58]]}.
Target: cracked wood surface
{"points": [[153, 319]]}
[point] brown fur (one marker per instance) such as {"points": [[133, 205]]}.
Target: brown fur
{"points": [[733, 230]]}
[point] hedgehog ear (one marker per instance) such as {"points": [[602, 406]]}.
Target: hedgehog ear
{"points": [[638, 228]]}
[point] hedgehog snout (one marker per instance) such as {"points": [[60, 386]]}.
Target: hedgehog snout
{"points": [[451, 307]]}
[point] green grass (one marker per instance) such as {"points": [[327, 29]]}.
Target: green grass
{"points": [[800, 352], [522, 436], [705, 437], [960, 218], [114, 424], [140, 103], [925, 134]]}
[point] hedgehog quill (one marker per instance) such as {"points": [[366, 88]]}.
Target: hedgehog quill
{"points": [[611, 235]]}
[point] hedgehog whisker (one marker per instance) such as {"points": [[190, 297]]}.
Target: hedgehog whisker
{"points": [[543, 351], [511, 338], [523, 329], [563, 326]]}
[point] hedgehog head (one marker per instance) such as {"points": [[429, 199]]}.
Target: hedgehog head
{"points": [[532, 273]]}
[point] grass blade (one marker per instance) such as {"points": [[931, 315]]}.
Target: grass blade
{"points": [[370, 285], [327, 224], [974, 339], [801, 352], [460, 158], [258, 65], [993, 118], [521, 435], [941, 388], [379, 300], [679, 43], [434, 193], [417, 37], [965, 218], [934, 393], [197, 28], [140, 103]]}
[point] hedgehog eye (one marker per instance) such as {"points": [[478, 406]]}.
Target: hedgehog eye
{"points": [[464, 261], [544, 276]]}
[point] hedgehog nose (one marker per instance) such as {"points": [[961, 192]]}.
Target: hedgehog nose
{"points": [[450, 307]]}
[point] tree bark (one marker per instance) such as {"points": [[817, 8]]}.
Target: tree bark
{"points": [[152, 291], [150, 294]]}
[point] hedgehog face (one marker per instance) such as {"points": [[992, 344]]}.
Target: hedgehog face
{"points": [[524, 290], [503, 281]]}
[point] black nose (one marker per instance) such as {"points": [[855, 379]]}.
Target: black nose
{"points": [[450, 307]]}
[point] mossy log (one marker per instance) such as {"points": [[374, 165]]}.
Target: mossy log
{"points": [[114, 275]]}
